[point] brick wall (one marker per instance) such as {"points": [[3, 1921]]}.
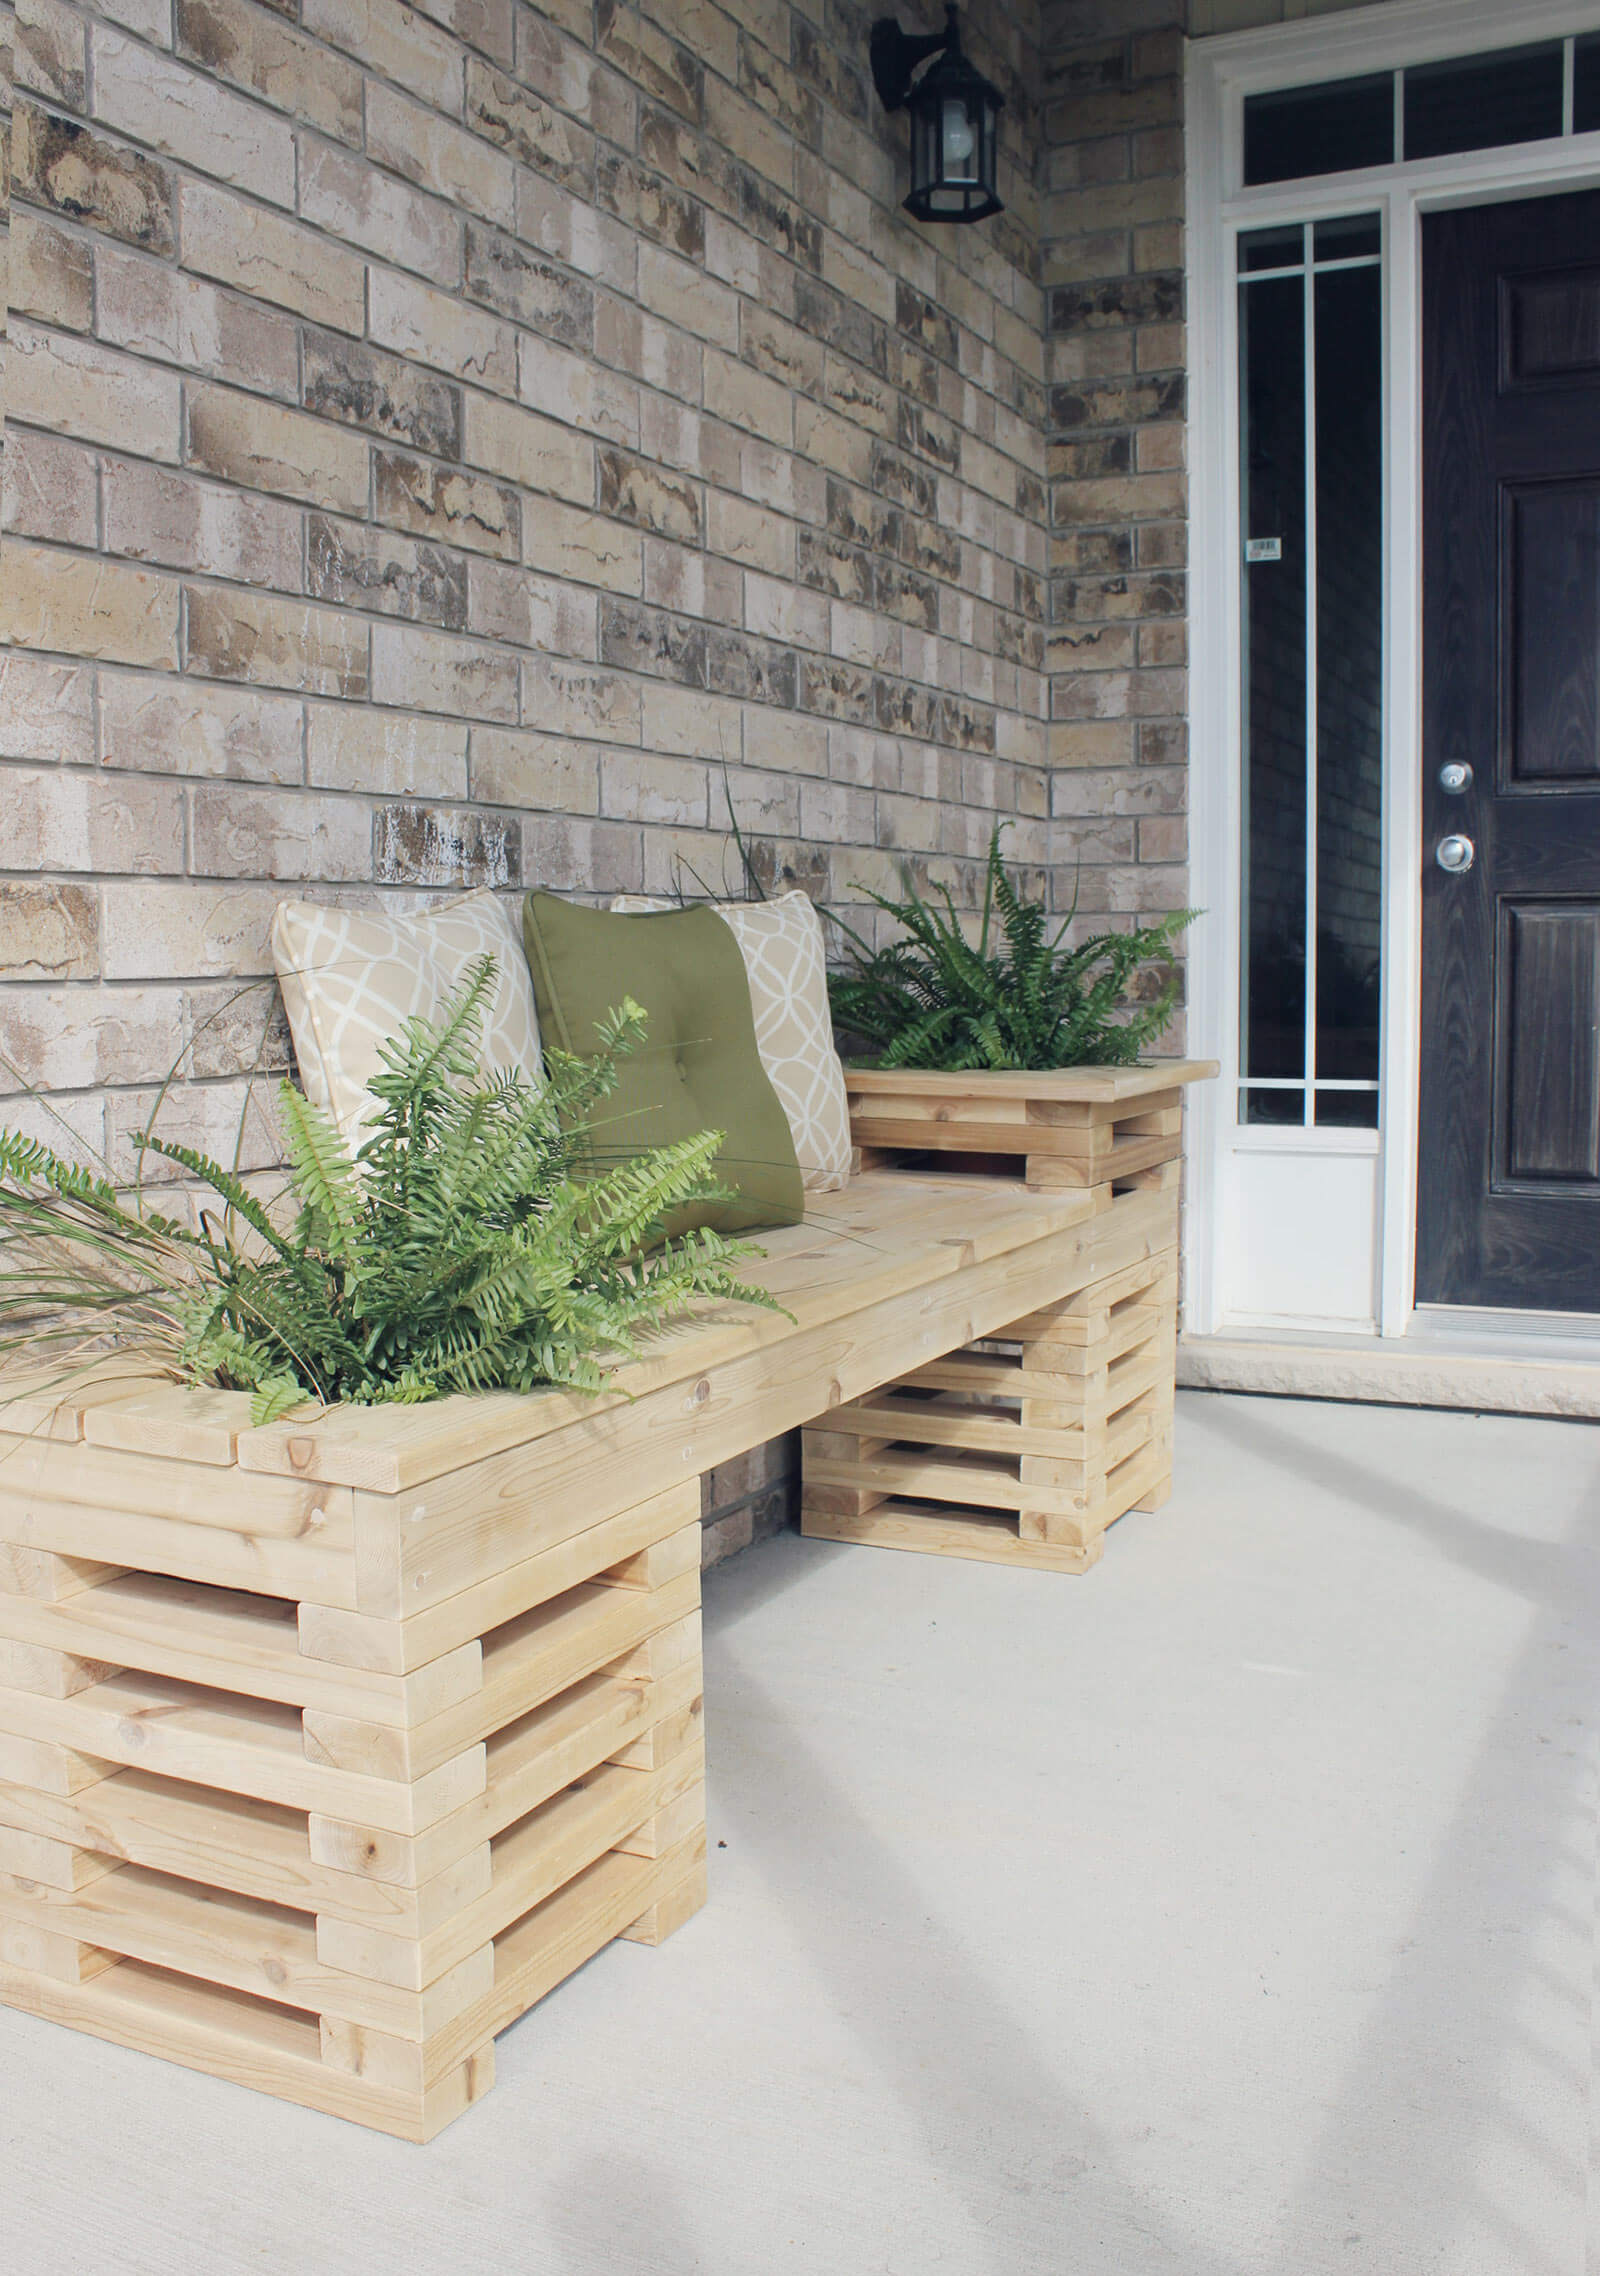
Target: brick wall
{"points": [[6, 30], [1111, 228], [440, 442]]}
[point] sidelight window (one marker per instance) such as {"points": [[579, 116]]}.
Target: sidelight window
{"points": [[1311, 514]]}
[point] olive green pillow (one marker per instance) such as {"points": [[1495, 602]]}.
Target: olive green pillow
{"points": [[699, 1067]]}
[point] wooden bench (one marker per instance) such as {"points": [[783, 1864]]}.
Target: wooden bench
{"points": [[327, 1749]]}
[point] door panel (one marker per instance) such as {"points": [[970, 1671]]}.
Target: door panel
{"points": [[1508, 1200], [1550, 630], [1547, 1106], [1550, 325]]}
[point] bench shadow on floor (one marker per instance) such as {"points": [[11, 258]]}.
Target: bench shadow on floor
{"points": [[1057, 2145]]}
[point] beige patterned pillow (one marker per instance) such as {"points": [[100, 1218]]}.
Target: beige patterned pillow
{"points": [[781, 941], [351, 976]]}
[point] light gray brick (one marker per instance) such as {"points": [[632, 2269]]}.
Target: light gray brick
{"points": [[185, 113]]}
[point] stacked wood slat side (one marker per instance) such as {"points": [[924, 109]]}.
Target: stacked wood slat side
{"points": [[251, 1826], [1070, 1130], [1025, 1447]]}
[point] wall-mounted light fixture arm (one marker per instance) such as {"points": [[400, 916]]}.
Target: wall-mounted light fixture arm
{"points": [[895, 55]]}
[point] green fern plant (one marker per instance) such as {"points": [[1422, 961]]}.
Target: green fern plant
{"points": [[468, 1246], [1015, 998]]}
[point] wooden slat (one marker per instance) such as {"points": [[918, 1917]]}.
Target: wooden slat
{"points": [[52, 1402], [887, 1234], [227, 1640], [1081, 1318], [1011, 1478], [524, 1663], [223, 1841], [356, 1639], [985, 1480], [953, 1532], [1064, 1083], [177, 1420], [262, 1849], [672, 1909], [930, 1108], [245, 1746], [1138, 1481], [1124, 1158], [267, 2046], [892, 1415], [1055, 1469], [47, 1578], [897, 1132], [538, 1951], [38, 1473], [986, 1374], [530, 1861], [275, 1536], [1128, 1327], [1085, 1131], [664, 1561], [241, 1943], [541, 1949], [598, 1719], [231, 2036], [676, 1816], [151, 1543], [672, 1733]]}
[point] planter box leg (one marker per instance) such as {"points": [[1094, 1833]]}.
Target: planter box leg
{"points": [[1022, 1449], [331, 1852]]}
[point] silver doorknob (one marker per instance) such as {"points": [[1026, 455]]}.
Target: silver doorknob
{"points": [[1455, 776], [1455, 855]]}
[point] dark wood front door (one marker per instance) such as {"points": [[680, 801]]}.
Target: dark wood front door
{"points": [[1508, 1182]]}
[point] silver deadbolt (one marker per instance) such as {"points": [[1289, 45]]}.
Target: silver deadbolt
{"points": [[1455, 776], [1455, 855]]}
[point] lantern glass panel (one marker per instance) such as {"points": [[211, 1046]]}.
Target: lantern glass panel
{"points": [[960, 141], [924, 152]]}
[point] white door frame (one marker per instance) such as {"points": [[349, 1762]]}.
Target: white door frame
{"points": [[1220, 72]]}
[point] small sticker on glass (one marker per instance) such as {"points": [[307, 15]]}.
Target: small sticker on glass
{"points": [[1263, 549]]}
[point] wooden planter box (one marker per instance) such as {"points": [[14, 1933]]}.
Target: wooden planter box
{"points": [[1024, 1448], [1071, 1126], [323, 1850]]}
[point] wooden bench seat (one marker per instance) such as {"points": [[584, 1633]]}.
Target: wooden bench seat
{"points": [[326, 1749]]}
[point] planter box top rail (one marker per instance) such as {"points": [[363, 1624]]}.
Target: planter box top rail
{"points": [[1065, 1084]]}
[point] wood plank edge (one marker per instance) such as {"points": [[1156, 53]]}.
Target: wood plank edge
{"points": [[947, 1534], [131, 2007]]}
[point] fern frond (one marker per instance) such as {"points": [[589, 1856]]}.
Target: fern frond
{"points": [[1015, 998], [486, 1236]]}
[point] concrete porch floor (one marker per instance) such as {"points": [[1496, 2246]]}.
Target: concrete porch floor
{"points": [[1227, 1912]]}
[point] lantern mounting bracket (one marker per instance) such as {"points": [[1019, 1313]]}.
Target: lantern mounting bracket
{"points": [[895, 55]]}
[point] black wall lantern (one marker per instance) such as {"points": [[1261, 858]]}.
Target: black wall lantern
{"points": [[955, 117]]}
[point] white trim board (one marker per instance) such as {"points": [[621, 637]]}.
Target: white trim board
{"points": [[1373, 1290]]}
